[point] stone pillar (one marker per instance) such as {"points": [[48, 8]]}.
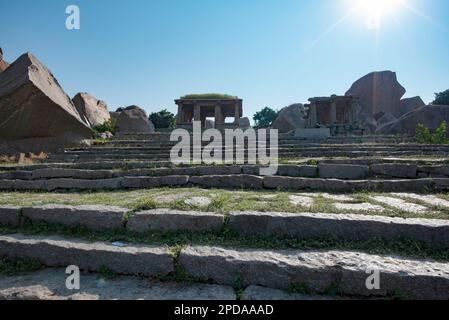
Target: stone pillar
{"points": [[219, 120], [196, 112], [180, 117], [312, 116], [237, 113], [354, 113], [333, 112]]}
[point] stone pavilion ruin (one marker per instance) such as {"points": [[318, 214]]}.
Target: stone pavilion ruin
{"points": [[203, 107]]}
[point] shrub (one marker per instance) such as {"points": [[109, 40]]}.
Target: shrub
{"points": [[424, 135], [163, 119], [265, 118], [109, 125], [442, 98]]}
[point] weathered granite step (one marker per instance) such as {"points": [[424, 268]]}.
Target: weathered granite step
{"points": [[351, 227], [50, 284], [258, 293], [237, 181], [344, 271], [89, 256]]}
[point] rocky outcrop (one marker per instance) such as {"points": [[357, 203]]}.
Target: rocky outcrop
{"points": [[378, 92], [3, 63], [35, 113], [133, 119], [367, 122], [91, 110], [430, 116], [290, 118], [411, 104]]}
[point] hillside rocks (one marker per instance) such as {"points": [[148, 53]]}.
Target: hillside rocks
{"points": [[94, 112], [411, 104], [133, 119], [3, 63], [378, 92], [35, 113], [290, 118], [430, 116]]}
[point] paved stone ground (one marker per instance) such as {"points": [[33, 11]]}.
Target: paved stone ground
{"points": [[401, 204], [198, 201], [358, 207], [299, 200]]}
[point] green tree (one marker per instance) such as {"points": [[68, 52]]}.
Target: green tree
{"points": [[442, 98], [163, 119], [265, 117]]}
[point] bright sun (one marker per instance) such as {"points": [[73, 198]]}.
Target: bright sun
{"points": [[375, 10]]}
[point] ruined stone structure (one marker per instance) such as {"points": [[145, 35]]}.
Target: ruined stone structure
{"points": [[338, 113], [190, 110]]}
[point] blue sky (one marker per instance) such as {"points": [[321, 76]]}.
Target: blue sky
{"points": [[268, 52]]}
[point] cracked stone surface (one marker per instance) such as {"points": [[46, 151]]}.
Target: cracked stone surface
{"points": [[418, 279], [299, 200], [336, 197], [49, 284], [198, 201], [167, 198], [358, 206], [401, 204]]}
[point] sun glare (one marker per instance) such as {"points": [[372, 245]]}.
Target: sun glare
{"points": [[376, 10]]}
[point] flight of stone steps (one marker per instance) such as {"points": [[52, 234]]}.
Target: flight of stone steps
{"points": [[335, 212], [222, 271]]}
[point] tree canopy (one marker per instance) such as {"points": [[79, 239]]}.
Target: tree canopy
{"points": [[265, 117], [163, 119], [442, 98]]}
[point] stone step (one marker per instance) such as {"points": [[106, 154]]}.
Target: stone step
{"points": [[236, 181], [90, 256], [345, 272], [314, 154], [350, 227], [280, 148], [50, 284]]}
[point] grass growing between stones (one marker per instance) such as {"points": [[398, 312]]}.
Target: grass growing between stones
{"points": [[227, 238], [222, 201], [18, 266]]}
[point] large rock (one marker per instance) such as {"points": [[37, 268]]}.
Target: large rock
{"points": [[385, 117], [290, 118], [430, 116], [133, 120], [378, 92], [3, 63], [244, 123], [367, 122], [91, 110], [35, 113], [411, 104]]}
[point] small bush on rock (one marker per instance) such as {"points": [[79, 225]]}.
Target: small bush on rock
{"points": [[107, 126]]}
